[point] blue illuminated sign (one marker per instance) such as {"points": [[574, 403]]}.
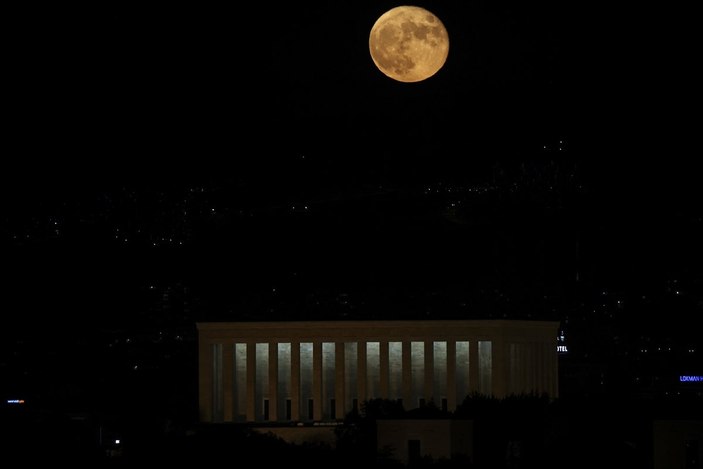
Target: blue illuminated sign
{"points": [[691, 379]]}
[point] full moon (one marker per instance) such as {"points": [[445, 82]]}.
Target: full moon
{"points": [[408, 44]]}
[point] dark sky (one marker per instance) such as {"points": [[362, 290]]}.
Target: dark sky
{"points": [[281, 104], [123, 90]]}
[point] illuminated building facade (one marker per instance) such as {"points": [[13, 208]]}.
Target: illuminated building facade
{"points": [[320, 370]]}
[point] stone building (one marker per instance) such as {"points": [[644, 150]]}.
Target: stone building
{"points": [[317, 371]]}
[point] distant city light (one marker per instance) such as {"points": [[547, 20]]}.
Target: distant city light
{"points": [[691, 379], [561, 343], [15, 401], [117, 442]]}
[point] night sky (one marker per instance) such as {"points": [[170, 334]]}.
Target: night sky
{"points": [[169, 164], [254, 158]]}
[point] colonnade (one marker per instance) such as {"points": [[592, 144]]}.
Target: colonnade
{"points": [[319, 371]]}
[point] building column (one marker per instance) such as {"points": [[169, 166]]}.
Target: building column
{"points": [[205, 380], [361, 372], [541, 369], [533, 361], [451, 375], [273, 381], [317, 380], [295, 381], [498, 378], [251, 381], [473, 365], [522, 366], [228, 381], [551, 369], [407, 375], [554, 370], [339, 380], [429, 372], [383, 369]]}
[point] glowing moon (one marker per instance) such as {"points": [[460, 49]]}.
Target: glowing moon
{"points": [[408, 43]]}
